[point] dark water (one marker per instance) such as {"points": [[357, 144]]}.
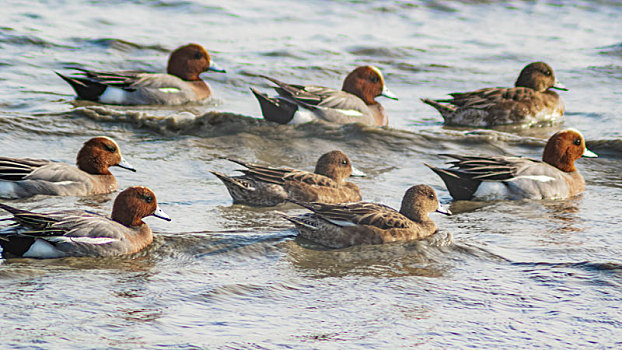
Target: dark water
{"points": [[499, 274]]}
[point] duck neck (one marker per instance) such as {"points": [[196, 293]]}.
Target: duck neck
{"points": [[92, 164], [331, 173], [357, 88], [201, 89], [126, 217], [183, 73], [414, 214]]}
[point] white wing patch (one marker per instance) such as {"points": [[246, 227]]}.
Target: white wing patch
{"points": [[65, 183], [350, 112], [85, 240], [169, 90], [539, 178]]}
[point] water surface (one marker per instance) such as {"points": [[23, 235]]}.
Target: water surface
{"points": [[498, 275]]}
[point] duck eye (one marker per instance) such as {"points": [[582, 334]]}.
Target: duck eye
{"points": [[547, 73], [577, 142], [110, 148], [344, 162], [198, 55], [374, 79], [148, 199], [431, 196]]}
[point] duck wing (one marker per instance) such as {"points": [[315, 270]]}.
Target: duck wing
{"points": [[281, 175], [496, 168], [484, 98], [75, 226], [16, 169], [359, 213]]}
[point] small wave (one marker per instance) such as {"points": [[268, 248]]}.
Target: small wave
{"points": [[418, 258], [236, 244], [123, 45], [611, 50], [590, 266], [383, 52], [7, 37], [217, 124], [611, 148]]}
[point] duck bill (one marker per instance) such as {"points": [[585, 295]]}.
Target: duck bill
{"points": [[443, 210], [357, 173], [213, 67], [159, 213], [559, 86], [126, 165], [387, 93], [589, 154]]}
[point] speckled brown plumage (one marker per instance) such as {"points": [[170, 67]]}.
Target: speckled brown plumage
{"points": [[343, 225], [266, 186], [530, 102]]}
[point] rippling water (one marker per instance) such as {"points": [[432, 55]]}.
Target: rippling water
{"points": [[498, 275]]}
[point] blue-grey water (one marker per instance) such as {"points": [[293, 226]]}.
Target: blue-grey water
{"points": [[527, 274]]}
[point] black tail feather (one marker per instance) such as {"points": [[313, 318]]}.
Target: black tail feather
{"points": [[460, 187], [275, 109], [85, 88]]}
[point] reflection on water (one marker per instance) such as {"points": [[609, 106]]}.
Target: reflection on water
{"points": [[132, 263], [422, 258]]}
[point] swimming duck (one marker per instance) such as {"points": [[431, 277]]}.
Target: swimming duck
{"points": [[354, 103], [530, 102], [344, 225], [266, 186], [180, 85], [26, 177], [498, 177], [83, 233]]}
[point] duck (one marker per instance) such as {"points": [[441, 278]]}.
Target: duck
{"points": [[27, 177], [267, 186], [82, 233], [516, 178], [354, 103], [349, 224], [530, 102], [181, 84]]}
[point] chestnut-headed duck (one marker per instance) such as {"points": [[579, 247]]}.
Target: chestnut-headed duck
{"points": [[530, 102], [83, 233], [344, 225], [180, 85], [27, 177], [354, 103], [266, 186], [498, 177]]}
